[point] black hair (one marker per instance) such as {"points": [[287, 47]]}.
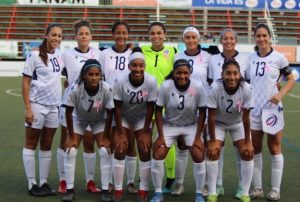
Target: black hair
{"points": [[178, 63], [232, 62], [43, 47], [137, 49], [117, 23], [157, 24], [82, 23], [87, 65], [258, 26]]}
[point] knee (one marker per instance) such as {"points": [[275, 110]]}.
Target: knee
{"points": [[160, 153], [103, 152], [120, 152], [246, 155], [88, 146], [71, 153], [197, 154]]}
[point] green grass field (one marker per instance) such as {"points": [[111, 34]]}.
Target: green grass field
{"points": [[13, 183]]}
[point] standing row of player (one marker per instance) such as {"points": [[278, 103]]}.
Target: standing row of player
{"points": [[132, 95]]}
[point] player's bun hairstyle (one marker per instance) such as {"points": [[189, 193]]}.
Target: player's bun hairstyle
{"points": [[232, 62], [43, 47], [82, 23], [179, 63], [258, 26], [87, 65], [117, 23], [136, 53], [157, 24]]}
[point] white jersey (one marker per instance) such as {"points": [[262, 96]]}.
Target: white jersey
{"points": [[114, 64], [134, 99], [216, 62], [181, 108], [229, 107], [263, 74], [45, 87], [90, 108], [199, 63]]}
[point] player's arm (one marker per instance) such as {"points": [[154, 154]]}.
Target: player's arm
{"points": [[25, 92], [118, 114], [246, 123], [149, 115], [69, 120], [201, 121], [211, 123], [159, 120]]}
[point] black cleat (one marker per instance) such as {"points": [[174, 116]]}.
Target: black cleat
{"points": [[69, 196], [37, 191], [46, 188]]}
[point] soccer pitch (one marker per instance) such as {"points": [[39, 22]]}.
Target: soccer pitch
{"points": [[13, 183]]}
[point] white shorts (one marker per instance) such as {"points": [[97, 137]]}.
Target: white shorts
{"points": [[171, 133], [62, 118], [44, 116], [135, 126], [236, 131], [255, 123], [80, 127]]}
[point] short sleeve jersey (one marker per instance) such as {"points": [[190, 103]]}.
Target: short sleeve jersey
{"points": [[115, 64], [216, 62], [229, 107], [263, 74], [159, 63], [90, 108], [134, 99], [181, 108], [45, 86]]}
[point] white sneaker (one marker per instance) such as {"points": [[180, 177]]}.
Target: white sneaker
{"points": [[256, 193], [205, 191], [273, 195], [179, 189]]}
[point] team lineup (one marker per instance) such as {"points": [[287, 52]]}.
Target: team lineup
{"points": [[154, 105]]}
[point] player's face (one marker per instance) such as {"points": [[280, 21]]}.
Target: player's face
{"points": [[137, 68], [262, 38], [231, 77], [228, 41], [191, 40], [121, 35], [92, 77], [157, 35], [181, 75], [83, 36], [54, 38]]}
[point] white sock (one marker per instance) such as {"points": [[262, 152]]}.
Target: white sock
{"points": [[60, 163], [118, 173], [44, 165], [157, 173], [257, 171], [105, 167], [277, 169], [212, 170], [238, 164], [70, 164], [29, 165], [199, 175], [89, 165], [145, 169], [181, 163], [246, 173], [220, 167], [130, 164]]}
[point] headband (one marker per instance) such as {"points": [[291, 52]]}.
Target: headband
{"points": [[191, 29], [136, 55]]}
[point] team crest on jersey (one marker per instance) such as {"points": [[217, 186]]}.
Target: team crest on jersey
{"points": [[166, 53], [239, 105], [192, 92], [97, 105], [144, 93]]}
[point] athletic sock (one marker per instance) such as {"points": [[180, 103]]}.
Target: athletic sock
{"points": [[70, 164], [212, 171], [145, 169], [130, 165], [157, 174], [220, 167], [29, 165], [257, 171], [105, 167], [246, 173], [89, 165], [118, 173], [277, 169], [60, 163], [181, 163], [199, 175], [44, 165], [238, 164]]}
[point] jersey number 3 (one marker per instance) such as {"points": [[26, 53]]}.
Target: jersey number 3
{"points": [[181, 104]]}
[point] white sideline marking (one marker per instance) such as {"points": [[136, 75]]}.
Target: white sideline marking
{"points": [[11, 92], [295, 96]]}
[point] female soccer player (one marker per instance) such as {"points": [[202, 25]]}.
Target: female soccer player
{"points": [[228, 40], [266, 68], [229, 104], [74, 60], [159, 63], [91, 99], [115, 64], [182, 99], [134, 97], [41, 89]]}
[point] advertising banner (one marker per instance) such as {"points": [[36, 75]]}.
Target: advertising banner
{"points": [[29, 46], [288, 51], [60, 2], [8, 49], [134, 3]]}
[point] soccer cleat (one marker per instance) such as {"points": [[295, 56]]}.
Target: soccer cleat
{"points": [[69, 196], [256, 193], [62, 187], [36, 191], [130, 189], [199, 198], [239, 193], [205, 191], [106, 196], [179, 189], [220, 190], [118, 196], [92, 187], [212, 198], [142, 196], [245, 198], [46, 188], [273, 195], [166, 190], [110, 188], [157, 197]]}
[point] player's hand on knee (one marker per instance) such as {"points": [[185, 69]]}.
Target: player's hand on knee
{"points": [[198, 145], [159, 143], [105, 142], [213, 150], [247, 151], [121, 143]]}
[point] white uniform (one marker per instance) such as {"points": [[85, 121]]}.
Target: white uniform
{"points": [[90, 110], [263, 74], [114, 64], [45, 88], [216, 62], [134, 99], [181, 110], [229, 109]]}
